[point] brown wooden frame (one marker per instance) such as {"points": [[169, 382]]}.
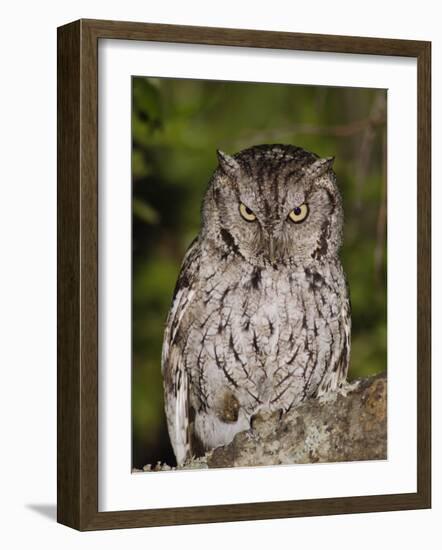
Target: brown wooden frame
{"points": [[77, 458]]}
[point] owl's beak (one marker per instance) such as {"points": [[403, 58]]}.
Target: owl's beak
{"points": [[272, 249]]}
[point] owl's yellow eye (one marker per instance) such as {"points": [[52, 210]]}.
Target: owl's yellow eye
{"points": [[246, 213], [298, 214]]}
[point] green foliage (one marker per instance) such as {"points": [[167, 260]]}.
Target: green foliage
{"points": [[177, 125]]}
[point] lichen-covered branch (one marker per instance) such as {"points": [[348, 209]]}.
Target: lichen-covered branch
{"points": [[344, 426]]}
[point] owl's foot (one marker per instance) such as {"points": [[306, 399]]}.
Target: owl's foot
{"points": [[342, 390], [348, 387], [264, 420]]}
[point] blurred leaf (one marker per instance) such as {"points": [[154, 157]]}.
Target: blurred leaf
{"points": [[140, 165], [144, 211], [147, 102]]}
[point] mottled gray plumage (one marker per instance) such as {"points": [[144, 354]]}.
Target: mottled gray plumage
{"points": [[260, 317]]}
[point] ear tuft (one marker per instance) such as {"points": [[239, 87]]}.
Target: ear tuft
{"points": [[319, 167], [227, 163]]}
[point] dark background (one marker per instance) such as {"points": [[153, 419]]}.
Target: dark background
{"points": [[177, 125]]}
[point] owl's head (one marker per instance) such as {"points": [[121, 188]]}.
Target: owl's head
{"points": [[274, 204]]}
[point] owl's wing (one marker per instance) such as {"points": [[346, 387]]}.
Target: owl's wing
{"points": [[346, 323], [173, 368], [336, 374]]}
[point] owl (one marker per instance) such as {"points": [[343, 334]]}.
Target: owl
{"points": [[260, 317]]}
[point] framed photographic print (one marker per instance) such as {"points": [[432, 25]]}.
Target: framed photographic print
{"points": [[243, 274]]}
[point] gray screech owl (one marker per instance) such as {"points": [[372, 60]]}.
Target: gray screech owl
{"points": [[260, 316]]}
